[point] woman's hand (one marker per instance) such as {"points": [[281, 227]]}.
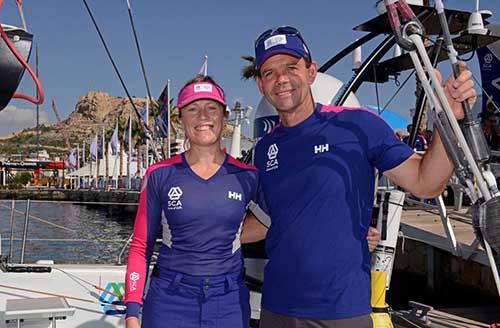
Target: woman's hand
{"points": [[373, 238]]}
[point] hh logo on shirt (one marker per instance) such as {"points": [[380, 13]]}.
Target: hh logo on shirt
{"points": [[174, 194], [318, 149], [272, 154], [234, 195]]}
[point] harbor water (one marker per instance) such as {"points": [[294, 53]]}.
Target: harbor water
{"points": [[64, 232]]}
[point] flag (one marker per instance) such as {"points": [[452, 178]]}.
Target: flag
{"points": [[100, 146], [162, 123], [115, 146], [204, 68], [489, 63], [143, 113], [72, 159], [93, 149], [163, 99], [126, 135]]}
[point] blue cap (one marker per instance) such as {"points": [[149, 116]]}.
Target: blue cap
{"points": [[281, 40]]}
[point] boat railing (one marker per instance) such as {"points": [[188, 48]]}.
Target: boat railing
{"points": [[28, 217], [123, 249]]}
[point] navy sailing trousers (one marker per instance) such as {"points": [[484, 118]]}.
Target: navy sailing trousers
{"points": [[177, 300]]}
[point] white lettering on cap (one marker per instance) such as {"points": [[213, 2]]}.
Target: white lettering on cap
{"points": [[274, 41], [203, 87]]}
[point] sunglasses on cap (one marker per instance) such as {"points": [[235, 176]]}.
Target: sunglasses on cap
{"points": [[287, 30]]}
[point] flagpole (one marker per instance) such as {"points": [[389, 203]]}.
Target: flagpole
{"points": [[147, 139], [129, 151], [90, 161], [83, 157], [206, 65], [104, 158], [97, 161], [83, 154], [78, 165], [168, 118], [115, 176]]}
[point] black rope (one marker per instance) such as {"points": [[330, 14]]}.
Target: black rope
{"points": [[114, 65], [490, 98], [473, 53], [142, 123], [139, 50], [376, 89], [397, 91]]}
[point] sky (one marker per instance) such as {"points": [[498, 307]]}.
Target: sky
{"points": [[174, 37]]}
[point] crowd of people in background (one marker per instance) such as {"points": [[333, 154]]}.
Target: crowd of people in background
{"points": [[489, 122], [491, 128]]}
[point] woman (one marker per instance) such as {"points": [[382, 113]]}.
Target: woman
{"points": [[198, 199]]}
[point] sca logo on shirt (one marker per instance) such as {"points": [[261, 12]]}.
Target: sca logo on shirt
{"points": [[272, 160], [133, 277], [174, 194]]}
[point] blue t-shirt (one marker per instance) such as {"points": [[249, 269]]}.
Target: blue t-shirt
{"points": [[199, 221], [318, 184]]}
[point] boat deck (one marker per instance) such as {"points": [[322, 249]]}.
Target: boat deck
{"points": [[426, 226]]}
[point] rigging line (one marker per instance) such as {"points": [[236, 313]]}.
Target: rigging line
{"points": [[139, 50], [75, 277], [473, 53], [490, 98], [114, 65], [51, 294], [401, 86], [40, 219], [376, 88]]}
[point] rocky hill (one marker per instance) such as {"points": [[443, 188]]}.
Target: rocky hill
{"points": [[93, 112]]}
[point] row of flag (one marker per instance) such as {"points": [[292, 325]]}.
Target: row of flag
{"points": [[161, 122]]}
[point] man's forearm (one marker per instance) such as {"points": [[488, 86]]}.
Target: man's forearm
{"points": [[253, 230], [435, 168]]}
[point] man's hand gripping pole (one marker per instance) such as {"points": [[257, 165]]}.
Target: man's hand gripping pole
{"points": [[465, 146]]}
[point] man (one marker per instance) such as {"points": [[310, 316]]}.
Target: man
{"points": [[490, 129], [317, 175], [420, 141]]}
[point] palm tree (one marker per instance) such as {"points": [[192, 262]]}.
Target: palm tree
{"points": [[249, 71]]}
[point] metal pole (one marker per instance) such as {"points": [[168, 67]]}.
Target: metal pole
{"points": [[168, 118], [104, 151], [12, 210], [147, 139], [129, 151], [78, 165], [25, 230], [21, 14], [359, 77], [37, 109], [347, 50]]}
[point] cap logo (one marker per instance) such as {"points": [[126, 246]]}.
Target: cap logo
{"points": [[274, 41], [203, 87]]}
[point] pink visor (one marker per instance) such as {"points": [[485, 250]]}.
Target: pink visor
{"points": [[200, 90]]}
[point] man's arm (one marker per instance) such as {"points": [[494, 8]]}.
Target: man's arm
{"points": [[253, 230], [427, 176]]}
